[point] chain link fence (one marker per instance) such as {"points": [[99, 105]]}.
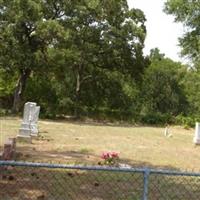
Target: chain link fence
{"points": [[37, 181]]}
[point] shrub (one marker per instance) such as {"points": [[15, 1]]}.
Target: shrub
{"points": [[187, 121], [157, 118]]}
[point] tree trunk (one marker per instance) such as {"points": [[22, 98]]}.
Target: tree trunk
{"points": [[19, 90], [77, 94]]}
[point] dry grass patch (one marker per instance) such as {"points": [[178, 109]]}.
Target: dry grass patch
{"points": [[73, 142]]}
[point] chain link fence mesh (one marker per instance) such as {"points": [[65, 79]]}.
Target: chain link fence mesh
{"points": [[47, 182], [32, 183], [173, 187]]}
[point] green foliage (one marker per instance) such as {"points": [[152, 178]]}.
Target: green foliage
{"points": [[191, 84], [157, 118], [40, 89], [109, 92], [27, 33], [6, 88], [187, 121], [103, 98], [84, 58], [162, 91], [84, 47], [187, 12]]}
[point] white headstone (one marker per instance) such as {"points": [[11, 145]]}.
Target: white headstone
{"points": [[196, 139], [166, 133], [29, 107], [30, 118]]}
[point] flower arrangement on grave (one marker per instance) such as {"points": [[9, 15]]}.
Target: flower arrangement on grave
{"points": [[110, 158]]}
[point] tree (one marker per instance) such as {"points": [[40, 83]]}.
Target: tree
{"points": [[74, 42], [28, 29], [162, 89], [191, 84], [187, 12], [105, 38]]}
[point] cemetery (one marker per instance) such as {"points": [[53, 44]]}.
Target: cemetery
{"points": [[82, 143], [99, 100]]}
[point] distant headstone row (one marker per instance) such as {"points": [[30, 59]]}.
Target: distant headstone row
{"points": [[29, 126]]}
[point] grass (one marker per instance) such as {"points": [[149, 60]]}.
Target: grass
{"points": [[76, 142]]}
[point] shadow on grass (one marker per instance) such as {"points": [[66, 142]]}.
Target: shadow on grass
{"points": [[99, 123], [83, 157], [28, 153], [23, 183]]}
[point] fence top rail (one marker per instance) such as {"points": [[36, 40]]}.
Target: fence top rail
{"points": [[76, 167], [97, 168]]}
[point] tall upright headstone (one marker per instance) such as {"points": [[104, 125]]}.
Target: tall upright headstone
{"points": [[196, 139], [29, 125]]}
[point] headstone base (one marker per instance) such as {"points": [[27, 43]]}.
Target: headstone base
{"points": [[28, 130], [196, 141], [23, 138], [34, 135], [24, 131], [34, 130]]}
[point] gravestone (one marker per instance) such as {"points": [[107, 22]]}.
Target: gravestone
{"points": [[166, 133], [34, 122], [29, 125], [196, 139]]}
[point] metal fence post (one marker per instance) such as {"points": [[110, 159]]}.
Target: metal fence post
{"points": [[146, 183]]}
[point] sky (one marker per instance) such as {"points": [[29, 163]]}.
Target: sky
{"points": [[162, 31]]}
